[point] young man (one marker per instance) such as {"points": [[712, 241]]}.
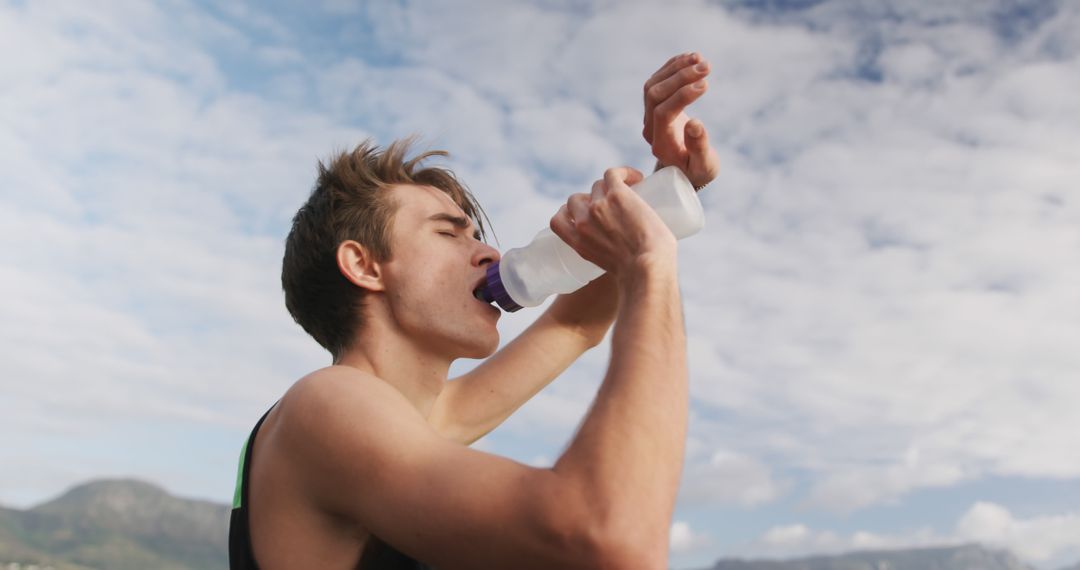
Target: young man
{"points": [[365, 464]]}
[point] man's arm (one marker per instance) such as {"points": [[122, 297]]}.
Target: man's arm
{"points": [[477, 402], [629, 450], [366, 456]]}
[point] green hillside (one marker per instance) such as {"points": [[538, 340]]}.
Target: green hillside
{"points": [[119, 525], [131, 525]]}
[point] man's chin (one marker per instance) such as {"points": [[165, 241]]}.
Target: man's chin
{"points": [[479, 351]]}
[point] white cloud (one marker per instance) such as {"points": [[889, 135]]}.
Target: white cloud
{"points": [[1049, 541], [1038, 538], [857, 487], [796, 540], [884, 274], [684, 539], [883, 299], [728, 477]]}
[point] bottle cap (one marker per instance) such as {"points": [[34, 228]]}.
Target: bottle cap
{"points": [[494, 290]]}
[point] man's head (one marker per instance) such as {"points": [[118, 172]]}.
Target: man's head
{"points": [[355, 201]]}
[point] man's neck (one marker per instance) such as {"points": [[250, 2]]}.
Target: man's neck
{"points": [[419, 375]]}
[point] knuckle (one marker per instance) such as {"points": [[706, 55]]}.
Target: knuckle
{"points": [[687, 92], [653, 94], [556, 228]]}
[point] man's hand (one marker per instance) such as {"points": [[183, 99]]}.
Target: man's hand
{"points": [[676, 139], [613, 227]]}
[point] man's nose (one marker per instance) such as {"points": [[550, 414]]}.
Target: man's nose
{"points": [[486, 254]]}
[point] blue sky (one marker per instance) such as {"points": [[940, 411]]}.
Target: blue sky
{"points": [[882, 311]]}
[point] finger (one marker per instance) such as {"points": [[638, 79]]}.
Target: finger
{"points": [[670, 108], [704, 163], [622, 177], [599, 190], [673, 65], [664, 90], [561, 226], [578, 208], [661, 90], [668, 65]]}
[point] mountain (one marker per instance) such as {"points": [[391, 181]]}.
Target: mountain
{"points": [[132, 525], [117, 524], [968, 557]]}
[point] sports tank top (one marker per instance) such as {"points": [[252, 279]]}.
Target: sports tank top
{"points": [[377, 555]]}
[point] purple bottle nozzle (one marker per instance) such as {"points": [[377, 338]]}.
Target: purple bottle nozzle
{"points": [[494, 290]]}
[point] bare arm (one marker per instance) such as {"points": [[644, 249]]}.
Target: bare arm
{"points": [[368, 456], [471, 406], [476, 403], [628, 453]]}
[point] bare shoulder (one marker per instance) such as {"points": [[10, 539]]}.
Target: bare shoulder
{"points": [[341, 402], [340, 420], [340, 388], [361, 455]]}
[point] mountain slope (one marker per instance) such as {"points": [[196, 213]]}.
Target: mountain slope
{"points": [[968, 557], [119, 524], [131, 525]]}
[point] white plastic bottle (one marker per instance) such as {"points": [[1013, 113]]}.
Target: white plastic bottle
{"points": [[525, 276]]}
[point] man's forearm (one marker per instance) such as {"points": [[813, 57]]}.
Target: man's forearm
{"points": [[589, 310], [629, 451], [477, 402]]}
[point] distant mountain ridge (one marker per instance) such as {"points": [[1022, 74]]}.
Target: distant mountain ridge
{"points": [[133, 525], [117, 524], [966, 557]]}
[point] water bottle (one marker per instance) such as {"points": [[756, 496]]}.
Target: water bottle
{"points": [[525, 276]]}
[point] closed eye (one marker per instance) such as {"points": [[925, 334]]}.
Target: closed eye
{"points": [[451, 234]]}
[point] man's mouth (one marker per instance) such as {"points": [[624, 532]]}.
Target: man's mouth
{"points": [[478, 294]]}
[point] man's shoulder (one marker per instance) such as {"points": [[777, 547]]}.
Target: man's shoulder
{"points": [[336, 427], [331, 398], [336, 378]]}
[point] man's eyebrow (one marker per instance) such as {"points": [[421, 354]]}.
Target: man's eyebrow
{"points": [[459, 222]]}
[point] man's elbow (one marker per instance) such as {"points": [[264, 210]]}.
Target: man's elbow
{"points": [[627, 552], [616, 547]]}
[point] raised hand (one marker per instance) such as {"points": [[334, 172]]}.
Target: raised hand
{"points": [[612, 226], [675, 138]]}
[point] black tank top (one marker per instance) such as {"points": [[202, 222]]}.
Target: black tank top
{"points": [[377, 554]]}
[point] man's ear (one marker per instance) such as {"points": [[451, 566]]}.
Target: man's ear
{"points": [[357, 265]]}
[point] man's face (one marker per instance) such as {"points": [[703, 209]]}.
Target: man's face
{"points": [[435, 265]]}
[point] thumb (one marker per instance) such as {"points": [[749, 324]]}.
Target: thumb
{"points": [[697, 140], [703, 164]]}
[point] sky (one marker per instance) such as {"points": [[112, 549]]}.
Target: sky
{"points": [[882, 311]]}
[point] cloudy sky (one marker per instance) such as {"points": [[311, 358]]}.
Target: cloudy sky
{"points": [[883, 311]]}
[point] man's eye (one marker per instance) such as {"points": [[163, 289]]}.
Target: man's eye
{"points": [[451, 234]]}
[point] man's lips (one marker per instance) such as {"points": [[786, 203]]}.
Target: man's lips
{"points": [[477, 287]]}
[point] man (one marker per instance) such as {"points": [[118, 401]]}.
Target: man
{"points": [[365, 464]]}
